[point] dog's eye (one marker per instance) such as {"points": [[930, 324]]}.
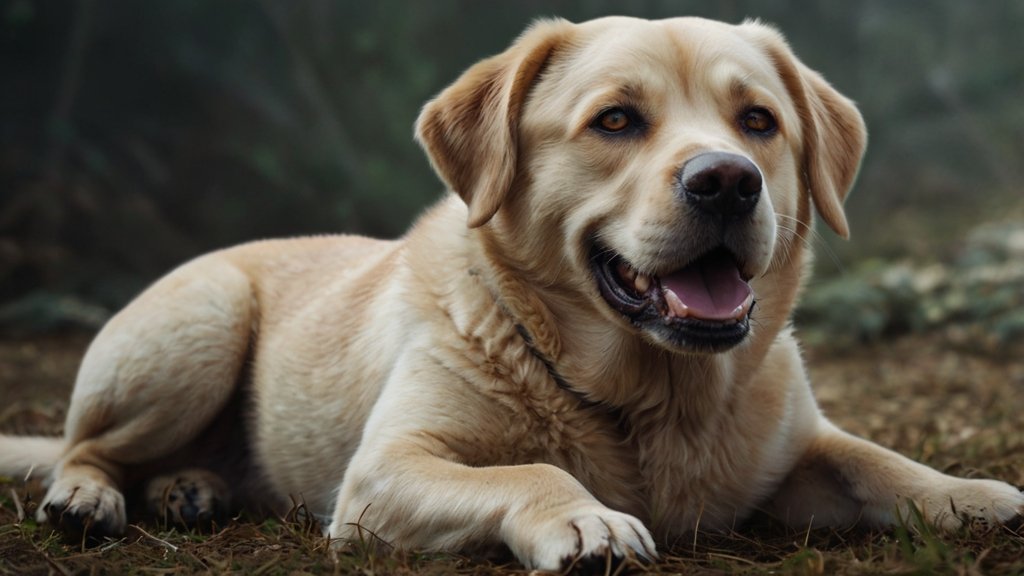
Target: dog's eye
{"points": [[612, 121], [759, 121]]}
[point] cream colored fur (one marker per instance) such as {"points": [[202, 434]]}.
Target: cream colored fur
{"points": [[467, 385]]}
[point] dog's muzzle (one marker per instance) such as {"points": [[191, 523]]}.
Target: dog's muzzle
{"points": [[705, 304]]}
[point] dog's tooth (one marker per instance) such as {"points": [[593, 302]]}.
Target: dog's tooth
{"points": [[676, 308], [642, 283], [743, 309]]}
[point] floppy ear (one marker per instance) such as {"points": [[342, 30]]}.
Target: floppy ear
{"points": [[470, 130], [834, 134], [835, 139]]}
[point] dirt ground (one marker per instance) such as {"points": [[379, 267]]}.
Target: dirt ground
{"points": [[955, 411]]}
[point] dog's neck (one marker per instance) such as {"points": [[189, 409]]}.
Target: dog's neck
{"points": [[585, 356]]}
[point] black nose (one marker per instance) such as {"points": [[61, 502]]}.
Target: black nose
{"points": [[722, 184]]}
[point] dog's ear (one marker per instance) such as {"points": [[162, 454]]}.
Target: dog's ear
{"points": [[834, 133], [470, 130], [835, 139]]}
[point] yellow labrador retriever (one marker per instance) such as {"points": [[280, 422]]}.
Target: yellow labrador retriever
{"points": [[600, 360]]}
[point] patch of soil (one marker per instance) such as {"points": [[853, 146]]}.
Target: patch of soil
{"points": [[959, 412], [36, 377]]}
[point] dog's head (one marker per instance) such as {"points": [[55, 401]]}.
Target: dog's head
{"points": [[656, 168]]}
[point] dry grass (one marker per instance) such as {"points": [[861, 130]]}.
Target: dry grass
{"points": [[957, 412]]}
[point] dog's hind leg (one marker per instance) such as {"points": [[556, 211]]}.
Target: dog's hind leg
{"points": [[190, 497], [157, 374]]}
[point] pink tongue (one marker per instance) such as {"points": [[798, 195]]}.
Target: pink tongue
{"points": [[712, 288]]}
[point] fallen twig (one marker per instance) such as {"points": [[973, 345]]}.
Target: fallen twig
{"points": [[160, 541]]}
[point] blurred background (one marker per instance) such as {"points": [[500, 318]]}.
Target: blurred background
{"points": [[135, 135]]}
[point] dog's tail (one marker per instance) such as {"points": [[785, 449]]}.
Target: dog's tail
{"points": [[24, 457]]}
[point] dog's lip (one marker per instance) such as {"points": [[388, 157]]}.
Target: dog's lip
{"points": [[714, 315], [710, 288], [612, 271]]}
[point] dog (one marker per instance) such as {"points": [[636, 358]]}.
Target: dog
{"points": [[584, 349]]}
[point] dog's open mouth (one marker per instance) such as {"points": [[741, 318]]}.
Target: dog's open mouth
{"points": [[704, 306]]}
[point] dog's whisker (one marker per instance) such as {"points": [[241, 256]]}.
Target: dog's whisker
{"points": [[816, 240]]}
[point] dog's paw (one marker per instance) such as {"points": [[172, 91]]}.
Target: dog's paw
{"points": [[84, 505], [588, 538], [977, 503], [191, 498]]}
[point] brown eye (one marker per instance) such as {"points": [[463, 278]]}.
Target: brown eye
{"points": [[759, 121], [614, 120]]}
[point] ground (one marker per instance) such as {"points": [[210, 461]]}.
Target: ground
{"points": [[958, 411]]}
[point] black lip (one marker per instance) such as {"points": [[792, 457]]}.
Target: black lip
{"points": [[635, 307], [649, 312], [701, 335]]}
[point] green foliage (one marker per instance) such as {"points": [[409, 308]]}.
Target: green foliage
{"points": [[137, 135], [976, 299], [920, 545]]}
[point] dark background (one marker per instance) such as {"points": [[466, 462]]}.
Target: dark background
{"points": [[137, 134]]}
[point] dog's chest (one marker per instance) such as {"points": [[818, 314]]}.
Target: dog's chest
{"points": [[710, 479], [676, 476], [675, 480]]}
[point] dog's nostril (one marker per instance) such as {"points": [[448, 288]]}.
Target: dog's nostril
{"points": [[703, 183], [721, 183], [750, 185]]}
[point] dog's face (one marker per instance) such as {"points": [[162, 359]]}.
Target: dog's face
{"points": [[655, 168]]}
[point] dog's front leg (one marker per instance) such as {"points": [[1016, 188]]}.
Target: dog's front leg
{"points": [[407, 485], [414, 500], [843, 480]]}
